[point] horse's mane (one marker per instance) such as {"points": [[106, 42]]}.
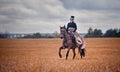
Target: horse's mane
{"points": [[65, 28]]}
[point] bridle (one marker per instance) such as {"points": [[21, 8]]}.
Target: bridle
{"points": [[64, 33]]}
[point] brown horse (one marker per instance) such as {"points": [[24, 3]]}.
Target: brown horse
{"points": [[68, 43]]}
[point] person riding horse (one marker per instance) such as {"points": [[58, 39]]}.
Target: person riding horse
{"points": [[71, 29], [71, 39]]}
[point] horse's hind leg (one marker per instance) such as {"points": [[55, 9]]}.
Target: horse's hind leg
{"points": [[81, 54], [74, 53], [67, 53], [60, 51], [80, 51], [83, 51]]}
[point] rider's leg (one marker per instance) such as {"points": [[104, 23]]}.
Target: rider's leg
{"points": [[77, 39]]}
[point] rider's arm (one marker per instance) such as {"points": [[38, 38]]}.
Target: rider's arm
{"points": [[67, 27]]}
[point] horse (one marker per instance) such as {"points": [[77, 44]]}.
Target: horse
{"points": [[68, 43]]}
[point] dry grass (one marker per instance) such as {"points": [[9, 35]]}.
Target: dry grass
{"points": [[41, 55]]}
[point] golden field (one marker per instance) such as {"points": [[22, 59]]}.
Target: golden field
{"points": [[41, 55]]}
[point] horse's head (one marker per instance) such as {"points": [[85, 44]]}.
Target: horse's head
{"points": [[62, 31]]}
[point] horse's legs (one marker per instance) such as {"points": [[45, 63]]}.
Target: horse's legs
{"points": [[60, 51], [67, 53], [83, 51], [80, 51], [74, 53]]}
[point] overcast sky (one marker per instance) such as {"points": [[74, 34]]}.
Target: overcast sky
{"points": [[29, 16]]}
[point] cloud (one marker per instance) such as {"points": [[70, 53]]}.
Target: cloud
{"points": [[26, 16], [92, 4]]}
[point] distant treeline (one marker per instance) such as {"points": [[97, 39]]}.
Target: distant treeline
{"points": [[39, 35], [99, 33], [91, 33], [33, 35]]}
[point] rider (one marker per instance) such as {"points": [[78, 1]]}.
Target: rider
{"points": [[71, 28]]}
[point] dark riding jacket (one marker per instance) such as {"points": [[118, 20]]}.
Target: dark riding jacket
{"points": [[72, 24]]}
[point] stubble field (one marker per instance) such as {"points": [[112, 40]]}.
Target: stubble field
{"points": [[41, 55]]}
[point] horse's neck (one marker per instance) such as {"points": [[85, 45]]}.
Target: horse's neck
{"points": [[66, 36]]}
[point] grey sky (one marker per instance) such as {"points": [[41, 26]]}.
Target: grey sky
{"points": [[28, 16]]}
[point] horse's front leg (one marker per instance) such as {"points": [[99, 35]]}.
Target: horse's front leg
{"points": [[74, 54], [60, 51], [67, 53]]}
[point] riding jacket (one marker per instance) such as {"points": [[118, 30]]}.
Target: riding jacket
{"points": [[73, 25]]}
